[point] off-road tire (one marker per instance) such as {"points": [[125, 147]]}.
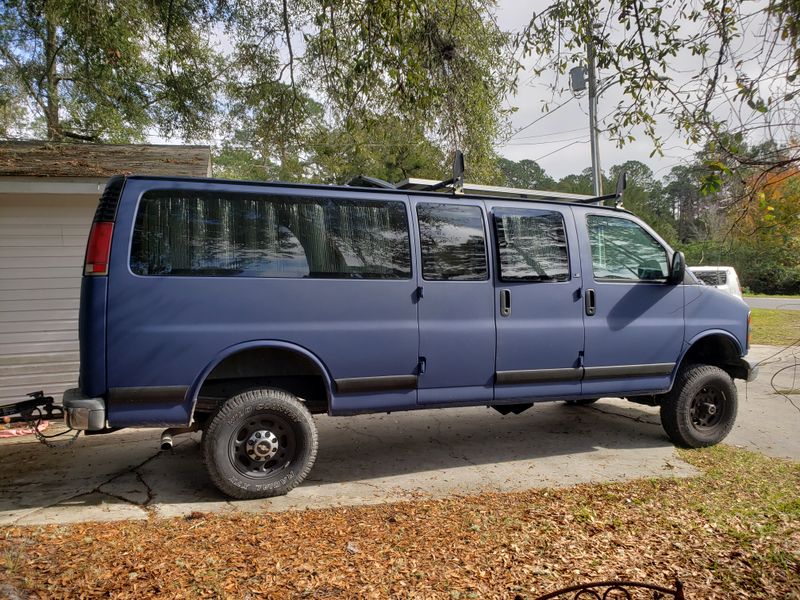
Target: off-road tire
{"points": [[236, 421], [683, 417]]}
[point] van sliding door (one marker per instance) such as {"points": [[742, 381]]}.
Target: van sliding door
{"points": [[456, 320]]}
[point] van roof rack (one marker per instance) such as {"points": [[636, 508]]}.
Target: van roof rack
{"points": [[370, 182], [475, 189], [457, 185]]}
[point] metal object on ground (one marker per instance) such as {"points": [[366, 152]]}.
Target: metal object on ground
{"points": [[35, 410], [168, 434], [615, 590]]}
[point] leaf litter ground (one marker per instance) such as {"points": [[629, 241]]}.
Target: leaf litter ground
{"points": [[733, 532]]}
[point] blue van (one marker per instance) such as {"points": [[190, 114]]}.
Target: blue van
{"points": [[241, 309]]}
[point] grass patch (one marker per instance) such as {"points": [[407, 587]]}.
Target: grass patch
{"points": [[732, 532], [775, 327]]}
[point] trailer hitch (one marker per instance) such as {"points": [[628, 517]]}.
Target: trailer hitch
{"points": [[33, 411]]}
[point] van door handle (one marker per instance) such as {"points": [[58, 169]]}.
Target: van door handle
{"points": [[591, 308], [505, 303]]}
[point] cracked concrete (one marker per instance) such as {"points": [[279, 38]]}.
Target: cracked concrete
{"points": [[380, 458]]}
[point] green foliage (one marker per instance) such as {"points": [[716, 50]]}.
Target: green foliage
{"points": [[392, 149], [282, 81], [93, 70], [526, 174], [442, 65]]}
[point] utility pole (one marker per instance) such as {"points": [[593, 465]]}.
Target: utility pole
{"points": [[597, 177]]}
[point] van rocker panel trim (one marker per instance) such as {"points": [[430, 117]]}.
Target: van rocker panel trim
{"points": [[628, 371], [169, 395], [538, 375], [352, 385]]}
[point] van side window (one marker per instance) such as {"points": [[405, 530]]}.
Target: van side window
{"points": [[453, 242], [532, 245], [182, 232], [622, 249]]}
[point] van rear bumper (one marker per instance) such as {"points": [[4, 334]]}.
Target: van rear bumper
{"points": [[82, 412]]}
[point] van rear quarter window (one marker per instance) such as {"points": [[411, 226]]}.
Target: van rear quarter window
{"points": [[196, 233]]}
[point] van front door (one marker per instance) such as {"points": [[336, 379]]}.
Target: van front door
{"points": [[455, 303], [634, 317], [539, 308]]}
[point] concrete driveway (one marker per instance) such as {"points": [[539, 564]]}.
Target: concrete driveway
{"points": [[382, 458], [775, 303]]}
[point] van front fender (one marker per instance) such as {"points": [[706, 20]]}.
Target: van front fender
{"points": [[720, 348]]}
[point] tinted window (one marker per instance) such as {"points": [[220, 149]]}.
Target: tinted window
{"points": [[453, 242], [712, 277], [532, 245], [245, 235], [621, 249]]}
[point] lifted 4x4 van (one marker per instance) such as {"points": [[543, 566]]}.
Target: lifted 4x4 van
{"points": [[243, 308]]}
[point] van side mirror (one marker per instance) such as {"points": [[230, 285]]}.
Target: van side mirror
{"points": [[678, 268]]}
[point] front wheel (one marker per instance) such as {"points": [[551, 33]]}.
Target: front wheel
{"points": [[260, 443], [701, 408]]}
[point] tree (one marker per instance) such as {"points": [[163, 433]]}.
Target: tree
{"points": [[94, 70], [743, 57], [577, 183], [526, 174], [268, 76]]}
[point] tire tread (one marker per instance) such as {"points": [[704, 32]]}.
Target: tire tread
{"points": [[282, 401], [675, 406]]}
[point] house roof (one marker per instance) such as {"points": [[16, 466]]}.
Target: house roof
{"points": [[56, 159]]}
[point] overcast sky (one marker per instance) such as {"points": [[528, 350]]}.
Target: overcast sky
{"points": [[559, 142]]}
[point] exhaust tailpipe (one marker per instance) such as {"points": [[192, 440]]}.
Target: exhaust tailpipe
{"points": [[167, 435], [166, 440]]}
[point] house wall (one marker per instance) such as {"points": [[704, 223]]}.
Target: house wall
{"points": [[42, 245]]}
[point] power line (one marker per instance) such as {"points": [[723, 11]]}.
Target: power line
{"points": [[541, 135], [558, 150], [543, 143], [547, 114]]}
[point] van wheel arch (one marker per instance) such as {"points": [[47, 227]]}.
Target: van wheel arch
{"points": [[276, 365], [715, 349]]}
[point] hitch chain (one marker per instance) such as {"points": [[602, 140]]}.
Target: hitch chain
{"points": [[45, 439], [33, 412]]}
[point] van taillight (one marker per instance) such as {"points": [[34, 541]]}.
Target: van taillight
{"points": [[98, 249]]}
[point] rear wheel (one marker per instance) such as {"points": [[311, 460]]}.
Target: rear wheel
{"points": [[260, 443], [701, 408]]}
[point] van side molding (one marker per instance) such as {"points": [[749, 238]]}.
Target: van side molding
{"points": [[628, 371], [352, 385], [538, 375]]}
